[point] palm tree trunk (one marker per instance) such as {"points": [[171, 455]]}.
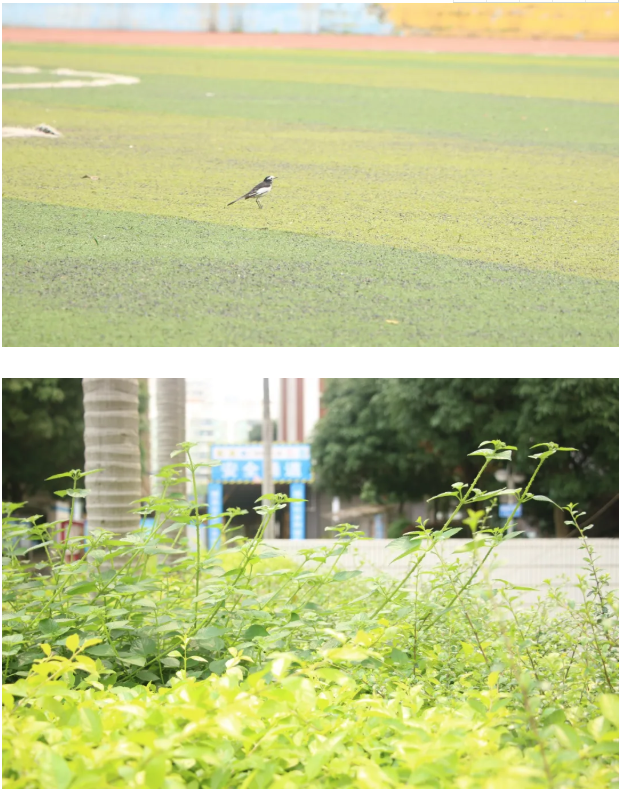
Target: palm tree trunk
{"points": [[111, 442], [268, 485], [170, 402], [144, 435], [170, 406]]}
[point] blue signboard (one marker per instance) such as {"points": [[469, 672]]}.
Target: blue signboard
{"points": [[243, 463], [378, 526], [214, 502], [505, 510], [297, 512]]}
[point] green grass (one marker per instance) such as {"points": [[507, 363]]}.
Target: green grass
{"points": [[471, 198]]}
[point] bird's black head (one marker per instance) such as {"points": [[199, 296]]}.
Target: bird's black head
{"points": [[269, 178]]}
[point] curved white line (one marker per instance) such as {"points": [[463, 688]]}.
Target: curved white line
{"points": [[100, 79]]}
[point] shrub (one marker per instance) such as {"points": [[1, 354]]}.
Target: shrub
{"points": [[144, 665]]}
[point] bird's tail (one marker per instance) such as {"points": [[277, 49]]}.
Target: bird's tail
{"points": [[236, 200]]}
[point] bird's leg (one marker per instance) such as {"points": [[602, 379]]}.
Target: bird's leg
{"points": [[260, 204]]}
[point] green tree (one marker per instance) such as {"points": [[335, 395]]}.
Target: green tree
{"points": [[42, 433], [583, 413], [403, 439], [358, 448]]}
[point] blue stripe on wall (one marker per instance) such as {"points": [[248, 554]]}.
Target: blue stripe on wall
{"points": [[246, 17]]}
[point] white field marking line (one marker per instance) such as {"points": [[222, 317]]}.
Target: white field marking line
{"points": [[21, 69], [100, 80], [24, 132]]}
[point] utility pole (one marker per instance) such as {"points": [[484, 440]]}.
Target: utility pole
{"points": [[268, 432]]}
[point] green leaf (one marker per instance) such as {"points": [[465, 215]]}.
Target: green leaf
{"points": [[155, 772], [485, 496], [470, 546], [444, 535], [567, 736], [174, 625], [541, 455], [134, 660], [103, 650], [92, 642], [477, 705], [13, 638], [406, 545], [345, 575], [610, 748], [553, 716], [145, 603], [254, 631], [77, 493], [209, 632], [82, 589], [145, 645], [545, 498], [146, 675], [93, 724], [609, 704], [73, 642], [60, 771], [347, 653], [467, 649], [399, 657], [444, 495], [60, 476], [97, 556]]}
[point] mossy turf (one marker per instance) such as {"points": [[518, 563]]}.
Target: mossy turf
{"points": [[473, 199], [118, 278]]}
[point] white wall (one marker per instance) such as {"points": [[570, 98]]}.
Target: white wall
{"points": [[522, 562]]}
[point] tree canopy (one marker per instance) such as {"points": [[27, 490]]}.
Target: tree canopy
{"points": [[42, 433], [397, 440]]}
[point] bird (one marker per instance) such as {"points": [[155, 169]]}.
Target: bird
{"points": [[257, 191]]}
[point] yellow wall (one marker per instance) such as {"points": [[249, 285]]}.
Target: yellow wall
{"points": [[589, 21]]}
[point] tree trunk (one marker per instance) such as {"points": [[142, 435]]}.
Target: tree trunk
{"points": [[111, 442], [144, 432], [560, 529], [170, 402], [170, 407], [268, 485]]}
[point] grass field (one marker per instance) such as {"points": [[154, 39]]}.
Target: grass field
{"points": [[470, 199]]}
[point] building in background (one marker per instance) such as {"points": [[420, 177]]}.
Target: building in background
{"points": [[298, 408], [226, 413], [224, 419], [588, 21]]}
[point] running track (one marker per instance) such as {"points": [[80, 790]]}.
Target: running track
{"points": [[133, 38]]}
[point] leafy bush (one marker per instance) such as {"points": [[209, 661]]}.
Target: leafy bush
{"points": [[143, 665]]}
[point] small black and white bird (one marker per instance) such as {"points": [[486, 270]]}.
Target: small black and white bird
{"points": [[258, 191]]}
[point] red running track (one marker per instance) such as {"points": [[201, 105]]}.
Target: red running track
{"points": [[309, 41]]}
